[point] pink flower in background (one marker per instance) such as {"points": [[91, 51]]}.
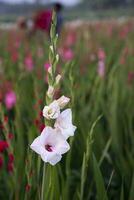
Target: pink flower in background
{"points": [[70, 39], [14, 56], [29, 63], [10, 99], [67, 54], [47, 65], [130, 77], [101, 54], [124, 32], [122, 60], [17, 43], [101, 69]]}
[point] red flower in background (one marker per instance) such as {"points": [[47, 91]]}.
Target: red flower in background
{"points": [[3, 145], [1, 161], [11, 158], [28, 187], [10, 167]]}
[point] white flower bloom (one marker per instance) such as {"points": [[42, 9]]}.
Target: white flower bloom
{"points": [[63, 101], [50, 91], [52, 111], [64, 123], [50, 145]]}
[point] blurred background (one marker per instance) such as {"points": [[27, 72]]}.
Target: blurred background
{"points": [[96, 50], [86, 9]]}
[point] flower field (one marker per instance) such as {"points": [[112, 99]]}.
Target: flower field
{"points": [[67, 113]]}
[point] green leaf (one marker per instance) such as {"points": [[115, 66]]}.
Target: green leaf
{"points": [[122, 193], [100, 186], [131, 194]]}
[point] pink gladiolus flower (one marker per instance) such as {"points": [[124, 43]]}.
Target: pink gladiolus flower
{"points": [[130, 77], [47, 65], [101, 69], [29, 63], [10, 99], [101, 54], [70, 39], [67, 54]]}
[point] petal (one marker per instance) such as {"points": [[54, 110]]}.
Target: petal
{"points": [[46, 135], [67, 115], [50, 157], [61, 145], [36, 145], [55, 159], [68, 132]]}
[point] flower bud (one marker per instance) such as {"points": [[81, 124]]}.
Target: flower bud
{"points": [[50, 91], [50, 70], [58, 78], [57, 58], [51, 48], [63, 101]]}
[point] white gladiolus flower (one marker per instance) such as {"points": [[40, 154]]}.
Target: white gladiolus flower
{"points": [[52, 111], [63, 101], [50, 145], [64, 123], [50, 91]]}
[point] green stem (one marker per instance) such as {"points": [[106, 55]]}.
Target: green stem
{"points": [[43, 183]]}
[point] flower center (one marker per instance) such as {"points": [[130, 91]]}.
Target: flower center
{"points": [[50, 111], [48, 147]]}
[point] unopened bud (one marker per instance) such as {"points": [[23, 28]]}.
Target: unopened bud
{"points": [[57, 58], [50, 91], [51, 48], [50, 70], [58, 78], [63, 101]]}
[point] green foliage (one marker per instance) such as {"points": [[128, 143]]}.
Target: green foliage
{"points": [[100, 162]]}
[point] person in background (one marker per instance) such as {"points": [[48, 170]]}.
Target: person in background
{"points": [[58, 9], [42, 20]]}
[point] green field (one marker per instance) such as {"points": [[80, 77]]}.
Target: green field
{"points": [[96, 63]]}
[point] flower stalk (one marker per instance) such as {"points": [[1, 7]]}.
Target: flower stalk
{"points": [[52, 143]]}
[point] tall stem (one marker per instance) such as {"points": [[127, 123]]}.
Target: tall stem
{"points": [[43, 182]]}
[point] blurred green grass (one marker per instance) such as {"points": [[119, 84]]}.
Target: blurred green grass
{"points": [[100, 162]]}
